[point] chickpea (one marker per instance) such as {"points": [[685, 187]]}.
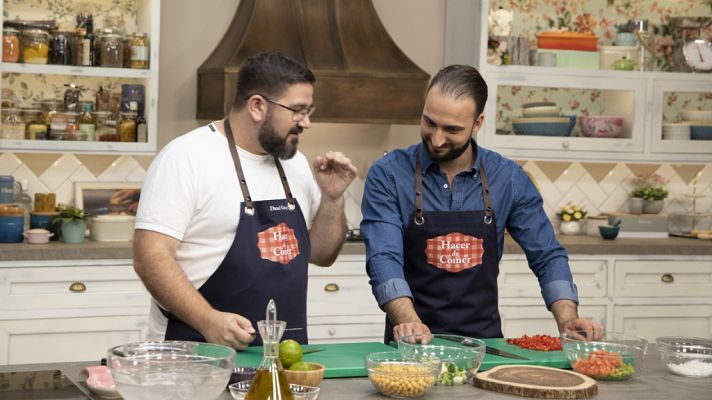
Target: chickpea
{"points": [[402, 379]]}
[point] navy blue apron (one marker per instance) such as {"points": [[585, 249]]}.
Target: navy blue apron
{"points": [[268, 259], [450, 264]]}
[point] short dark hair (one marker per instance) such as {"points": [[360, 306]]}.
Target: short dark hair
{"points": [[269, 74], [462, 80]]}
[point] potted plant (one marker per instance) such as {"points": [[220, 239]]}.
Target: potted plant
{"points": [[651, 191], [625, 35], [571, 216], [74, 223]]}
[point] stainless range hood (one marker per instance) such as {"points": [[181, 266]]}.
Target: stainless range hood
{"points": [[362, 76]]}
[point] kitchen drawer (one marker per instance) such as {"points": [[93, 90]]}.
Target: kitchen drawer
{"points": [[48, 340], [652, 321], [343, 333], [663, 278], [516, 321], [341, 289], [80, 286], [517, 280]]}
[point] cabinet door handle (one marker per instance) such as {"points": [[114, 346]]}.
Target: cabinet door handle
{"points": [[77, 287], [331, 287], [332, 331], [667, 278]]}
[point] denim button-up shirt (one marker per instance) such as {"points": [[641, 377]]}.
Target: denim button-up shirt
{"points": [[388, 208]]}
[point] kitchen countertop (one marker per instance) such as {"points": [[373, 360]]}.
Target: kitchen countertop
{"points": [[652, 383], [574, 244]]}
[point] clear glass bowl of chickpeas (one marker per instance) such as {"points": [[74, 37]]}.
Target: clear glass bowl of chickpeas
{"points": [[396, 377]]}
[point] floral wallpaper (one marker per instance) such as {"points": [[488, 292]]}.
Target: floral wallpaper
{"points": [[666, 20], [676, 101], [106, 12]]}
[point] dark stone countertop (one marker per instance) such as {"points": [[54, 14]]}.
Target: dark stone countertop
{"points": [[576, 245]]}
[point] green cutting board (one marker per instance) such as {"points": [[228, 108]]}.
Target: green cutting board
{"points": [[342, 360]]}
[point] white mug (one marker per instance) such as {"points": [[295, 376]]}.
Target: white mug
{"points": [[546, 59]]}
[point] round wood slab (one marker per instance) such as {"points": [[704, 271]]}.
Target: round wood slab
{"points": [[537, 382]]}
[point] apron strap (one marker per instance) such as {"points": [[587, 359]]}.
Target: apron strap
{"points": [[249, 206], [420, 218]]}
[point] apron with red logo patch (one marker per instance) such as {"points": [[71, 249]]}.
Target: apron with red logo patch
{"points": [[268, 259], [450, 264]]}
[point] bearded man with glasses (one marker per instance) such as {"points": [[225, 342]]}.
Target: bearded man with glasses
{"points": [[230, 214]]}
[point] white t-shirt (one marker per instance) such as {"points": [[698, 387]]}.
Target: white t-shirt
{"points": [[191, 193]]}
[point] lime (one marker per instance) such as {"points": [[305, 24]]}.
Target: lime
{"points": [[290, 352], [300, 366]]}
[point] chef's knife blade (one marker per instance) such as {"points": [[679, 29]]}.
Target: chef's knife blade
{"points": [[488, 349], [498, 352]]}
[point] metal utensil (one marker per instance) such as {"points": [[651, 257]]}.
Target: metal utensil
{"points": [[313, 350], [498, 352]]}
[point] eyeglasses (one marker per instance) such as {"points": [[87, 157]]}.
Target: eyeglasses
{"points": [[297, 115]]}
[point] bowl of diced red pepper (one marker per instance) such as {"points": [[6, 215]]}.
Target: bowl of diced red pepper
{"points": [[609, 356]]}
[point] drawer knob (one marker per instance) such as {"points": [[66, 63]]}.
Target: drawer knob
{"points": [[667, 278], [331, 287], [565, 144], [332, 331], [77, 287]]}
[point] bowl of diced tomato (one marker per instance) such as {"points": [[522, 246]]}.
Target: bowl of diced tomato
{"points": [[609, 356]]}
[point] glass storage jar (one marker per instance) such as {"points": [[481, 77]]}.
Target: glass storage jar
{"points": [[139, 50], [105, 127], [35, 128], [60, 48], [49, 107], [35, 46], [126, 126], [10, 45], [72, 121], [126, 41], [13, 127], [112, 50]]}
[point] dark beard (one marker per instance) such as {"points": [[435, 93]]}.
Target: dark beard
{"points": [[452, 153], [273, 144]]}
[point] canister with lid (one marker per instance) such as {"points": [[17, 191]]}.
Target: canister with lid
{"points": [[35, 46], [13, 126], [105, 127], [49, 107], [112, 50], [10, 45], [35, 128], [72, 121], [126, 127], [60, 48], [139, 50]]}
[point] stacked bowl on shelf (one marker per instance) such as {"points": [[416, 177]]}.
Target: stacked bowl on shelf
{"points": [[700, 122], [676, 131], [543, 119]]}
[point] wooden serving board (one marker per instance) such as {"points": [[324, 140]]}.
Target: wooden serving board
{"points": [[537, 382]]}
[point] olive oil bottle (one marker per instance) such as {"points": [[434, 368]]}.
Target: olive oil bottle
{"points": [[269, 383]]}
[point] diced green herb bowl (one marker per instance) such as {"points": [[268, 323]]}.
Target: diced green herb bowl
{"points": [[461, 357]]}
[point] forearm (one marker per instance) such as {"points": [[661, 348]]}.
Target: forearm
{"points": [[564, 311], [328, 231], [164, 278], [400, 311]]}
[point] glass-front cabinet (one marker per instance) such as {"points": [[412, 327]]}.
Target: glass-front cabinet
{"points": [[600, 80], [71, 69]]}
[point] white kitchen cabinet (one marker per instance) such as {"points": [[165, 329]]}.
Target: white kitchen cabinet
{"points": [[536, 319], [663, 278], [340, 305], [655, 320], [70, 310], [636, 96], [145, 17]]}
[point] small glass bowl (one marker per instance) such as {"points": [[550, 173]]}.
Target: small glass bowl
{"points": [[459, 354], [610, 357], [394, 376], [686, 356], [240, 374], [299, 392]]}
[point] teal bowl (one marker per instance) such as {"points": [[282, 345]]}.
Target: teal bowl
{"points": [[609, 232]]}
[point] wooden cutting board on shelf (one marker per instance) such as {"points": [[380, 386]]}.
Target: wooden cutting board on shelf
{"points": [[537, 382]]}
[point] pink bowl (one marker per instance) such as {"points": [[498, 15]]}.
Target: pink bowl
{"points": [[601, 126]]}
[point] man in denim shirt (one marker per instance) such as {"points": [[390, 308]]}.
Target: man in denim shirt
{"points": [[434, 217]]}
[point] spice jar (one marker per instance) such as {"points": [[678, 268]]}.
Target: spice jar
{"points": [[58, 122], [35, 128], [126, 127], [13, 127], [139, 50], [126, 41], [10, 45], [35, 46], [105, 127], [60, 48], [49, 107], [112, 50]]}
